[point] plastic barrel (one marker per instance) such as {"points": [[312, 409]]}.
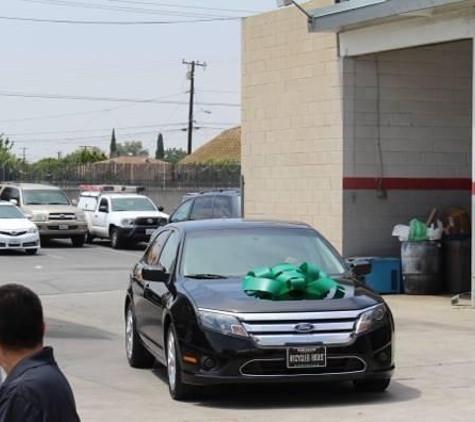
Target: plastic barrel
{"points": [[457, 251], [422, 268]]}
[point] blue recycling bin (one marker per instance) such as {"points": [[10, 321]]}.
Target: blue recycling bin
{"points": [[385, 276]]}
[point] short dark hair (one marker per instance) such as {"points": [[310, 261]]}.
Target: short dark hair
{"points": [[21, 318]]}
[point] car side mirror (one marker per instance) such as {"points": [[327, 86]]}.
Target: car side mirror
{"points": [[157, 274], [360, 268], [161, 209], [103, 208], [14, 202], [74, 202], [29, 216]]}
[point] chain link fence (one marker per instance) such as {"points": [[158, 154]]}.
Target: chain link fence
{"points": [[147, 175]]}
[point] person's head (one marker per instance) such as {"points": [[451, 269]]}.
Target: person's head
{"points": [[21, 320]]}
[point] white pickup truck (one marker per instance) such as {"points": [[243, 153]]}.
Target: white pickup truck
{"points": [[123, 218]]}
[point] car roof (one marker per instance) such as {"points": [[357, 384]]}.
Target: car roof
{"points": [[230, 192], [122, 195], [29, 186], [234, 223]]}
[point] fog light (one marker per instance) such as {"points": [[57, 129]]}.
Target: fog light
{"points": [[383, 357], [208, 363]]}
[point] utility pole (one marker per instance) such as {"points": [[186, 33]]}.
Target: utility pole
{"points": [[191, 77], [59, 155], [24, 154]]}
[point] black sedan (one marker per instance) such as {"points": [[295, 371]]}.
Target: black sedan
{"points": [[186, 307]]}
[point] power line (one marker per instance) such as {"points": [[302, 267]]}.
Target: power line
{"points": [[108, 99], [119, 23]]}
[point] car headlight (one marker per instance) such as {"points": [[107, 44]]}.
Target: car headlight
{"points": [[33, 230], [81, 217], [371, 319], [127, 222], [39, 217], [222, 323]]}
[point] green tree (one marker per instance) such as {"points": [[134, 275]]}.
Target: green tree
{"points": [[7, 157], [160, 152], [134, 148], [85, 156], [113, 145], [173, 155]]}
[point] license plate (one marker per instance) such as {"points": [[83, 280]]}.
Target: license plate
{"points": [[63, 227], [306, 357], [149, 231]]}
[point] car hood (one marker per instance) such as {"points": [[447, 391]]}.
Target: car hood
{"points": [[227, 295], [62, 209], [138, 214], [18, 224]]}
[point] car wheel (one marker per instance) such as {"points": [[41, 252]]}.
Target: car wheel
{"points": [[31, 251], [178, 390], [137, 355], [116, 241], [89, 238], [377, 385], [78, 241]]}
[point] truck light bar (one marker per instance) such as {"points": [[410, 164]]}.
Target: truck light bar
{"points": [[111, 188]]}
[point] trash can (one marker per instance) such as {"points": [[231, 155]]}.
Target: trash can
{"points": [[422, 268], [457, 253]]}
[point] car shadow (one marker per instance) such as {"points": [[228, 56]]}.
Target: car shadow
{"points": [[60, 329], [133, 247], [285, 396]]}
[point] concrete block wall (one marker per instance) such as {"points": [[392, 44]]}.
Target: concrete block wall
{"points": [[407, 114], [292, 151]]}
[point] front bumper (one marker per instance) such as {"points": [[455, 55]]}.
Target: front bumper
{"points": [[137, 233], [62, 230], [26, 241], [369, 357]]}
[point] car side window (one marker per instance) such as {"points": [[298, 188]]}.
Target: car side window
{"points": [[104, 205], [154, 250], [87, 203], [182, 212], [10, 193], [222, 206], [202, 209], [169, 252]]}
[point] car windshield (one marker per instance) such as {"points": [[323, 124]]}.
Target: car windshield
{"points": [[234, 252], [7, 211], [45, 197], [132, 204]]}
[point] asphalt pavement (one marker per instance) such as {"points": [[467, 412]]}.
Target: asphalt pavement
{"points": [[83, 291]]}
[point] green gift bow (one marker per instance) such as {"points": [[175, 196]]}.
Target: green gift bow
{"points": [[291, 282]]}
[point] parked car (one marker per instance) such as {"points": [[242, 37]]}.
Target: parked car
{"points": [[16, 231], [124, 218], [50, 209], [208, 205], [185, 307]]}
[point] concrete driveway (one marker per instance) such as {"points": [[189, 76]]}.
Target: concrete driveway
{"points": [[83, 291]]}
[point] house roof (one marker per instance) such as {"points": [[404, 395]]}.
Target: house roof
{"points": [[226, 147], [133, 160], [354, 13]]}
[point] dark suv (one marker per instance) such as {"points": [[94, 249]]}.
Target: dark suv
{"points": [[208, 205]]}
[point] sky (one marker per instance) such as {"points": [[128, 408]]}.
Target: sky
{"points": [[126, 62]]}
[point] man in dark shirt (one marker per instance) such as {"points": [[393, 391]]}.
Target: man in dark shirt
{"points": [[35, 389]]}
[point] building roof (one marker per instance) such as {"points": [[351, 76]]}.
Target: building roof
{"points": [[133, 160], [225, 148], [354, 13]]}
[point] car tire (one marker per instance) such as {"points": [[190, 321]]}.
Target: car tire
{"points": [[89, 238], [377, 385], [178, 390], [116, 241], [31, 251], [137, 355], [78, 241]]}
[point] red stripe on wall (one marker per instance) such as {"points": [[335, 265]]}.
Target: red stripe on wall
{"points": [[400, 183]]}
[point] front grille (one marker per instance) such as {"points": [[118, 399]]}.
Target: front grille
{"points": [[62, 216], [13, 234], [147, 221], [275, 367], [302, 328], [2, 245]]}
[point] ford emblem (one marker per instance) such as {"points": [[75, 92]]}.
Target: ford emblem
{"points": [[304, 328], [62, 217]]}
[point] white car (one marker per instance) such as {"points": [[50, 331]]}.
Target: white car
{"points": [[17, 232], [121, 217]]}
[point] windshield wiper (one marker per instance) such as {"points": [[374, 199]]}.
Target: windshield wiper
{"points": [[57, 203], [206, 276], [34, 203]]}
